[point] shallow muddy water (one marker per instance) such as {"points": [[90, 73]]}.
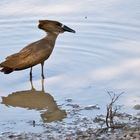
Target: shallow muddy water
{"points": [[103, 55]]}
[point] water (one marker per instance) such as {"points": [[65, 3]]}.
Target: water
{"points": [[102, 56]]}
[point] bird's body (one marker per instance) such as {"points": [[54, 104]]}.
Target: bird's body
{"points": [[33, 54], [36, 52]]}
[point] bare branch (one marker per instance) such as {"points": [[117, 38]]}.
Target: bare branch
{"points": [[111, 111]]}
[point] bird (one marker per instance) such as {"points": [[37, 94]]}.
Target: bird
{"points": [[37, 52]]}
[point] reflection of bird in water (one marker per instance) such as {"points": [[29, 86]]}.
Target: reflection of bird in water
{"points": [[38, 100], [36, 52]]}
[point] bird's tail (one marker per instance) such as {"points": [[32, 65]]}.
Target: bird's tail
{"points": [[5, 70]]}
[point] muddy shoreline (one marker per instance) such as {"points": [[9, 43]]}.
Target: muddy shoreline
{"points": [[82, 128], [126, 133]]}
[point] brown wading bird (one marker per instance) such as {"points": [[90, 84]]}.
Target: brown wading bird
{"points": [[36, 52]]}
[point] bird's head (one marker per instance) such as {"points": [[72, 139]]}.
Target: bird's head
{"points": [[53, 26]]}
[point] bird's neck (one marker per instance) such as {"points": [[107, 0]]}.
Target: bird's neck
{"points": [[51, 38]]}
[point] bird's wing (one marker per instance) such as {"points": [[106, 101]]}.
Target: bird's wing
{"points": [[21, 54], [13, 61], [29, 56]]}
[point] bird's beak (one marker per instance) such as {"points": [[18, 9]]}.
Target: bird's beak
{"points": [[65, 28]]}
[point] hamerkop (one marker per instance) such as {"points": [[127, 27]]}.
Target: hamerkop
{"points": [[36, 52]]}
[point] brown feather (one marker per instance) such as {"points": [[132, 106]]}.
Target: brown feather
{"points": [[6, 70]]}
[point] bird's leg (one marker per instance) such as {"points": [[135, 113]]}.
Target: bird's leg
{"points": [[42, 70], [31, 78], [42, 84], [31, 74], [32, 87]]}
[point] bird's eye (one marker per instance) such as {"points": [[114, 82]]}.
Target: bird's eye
{"points": [[58, 24]]}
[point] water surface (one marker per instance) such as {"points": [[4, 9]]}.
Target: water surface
{"points": [[103, 55]]}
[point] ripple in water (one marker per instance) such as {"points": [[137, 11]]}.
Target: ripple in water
{"points": [[103, 54]]}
